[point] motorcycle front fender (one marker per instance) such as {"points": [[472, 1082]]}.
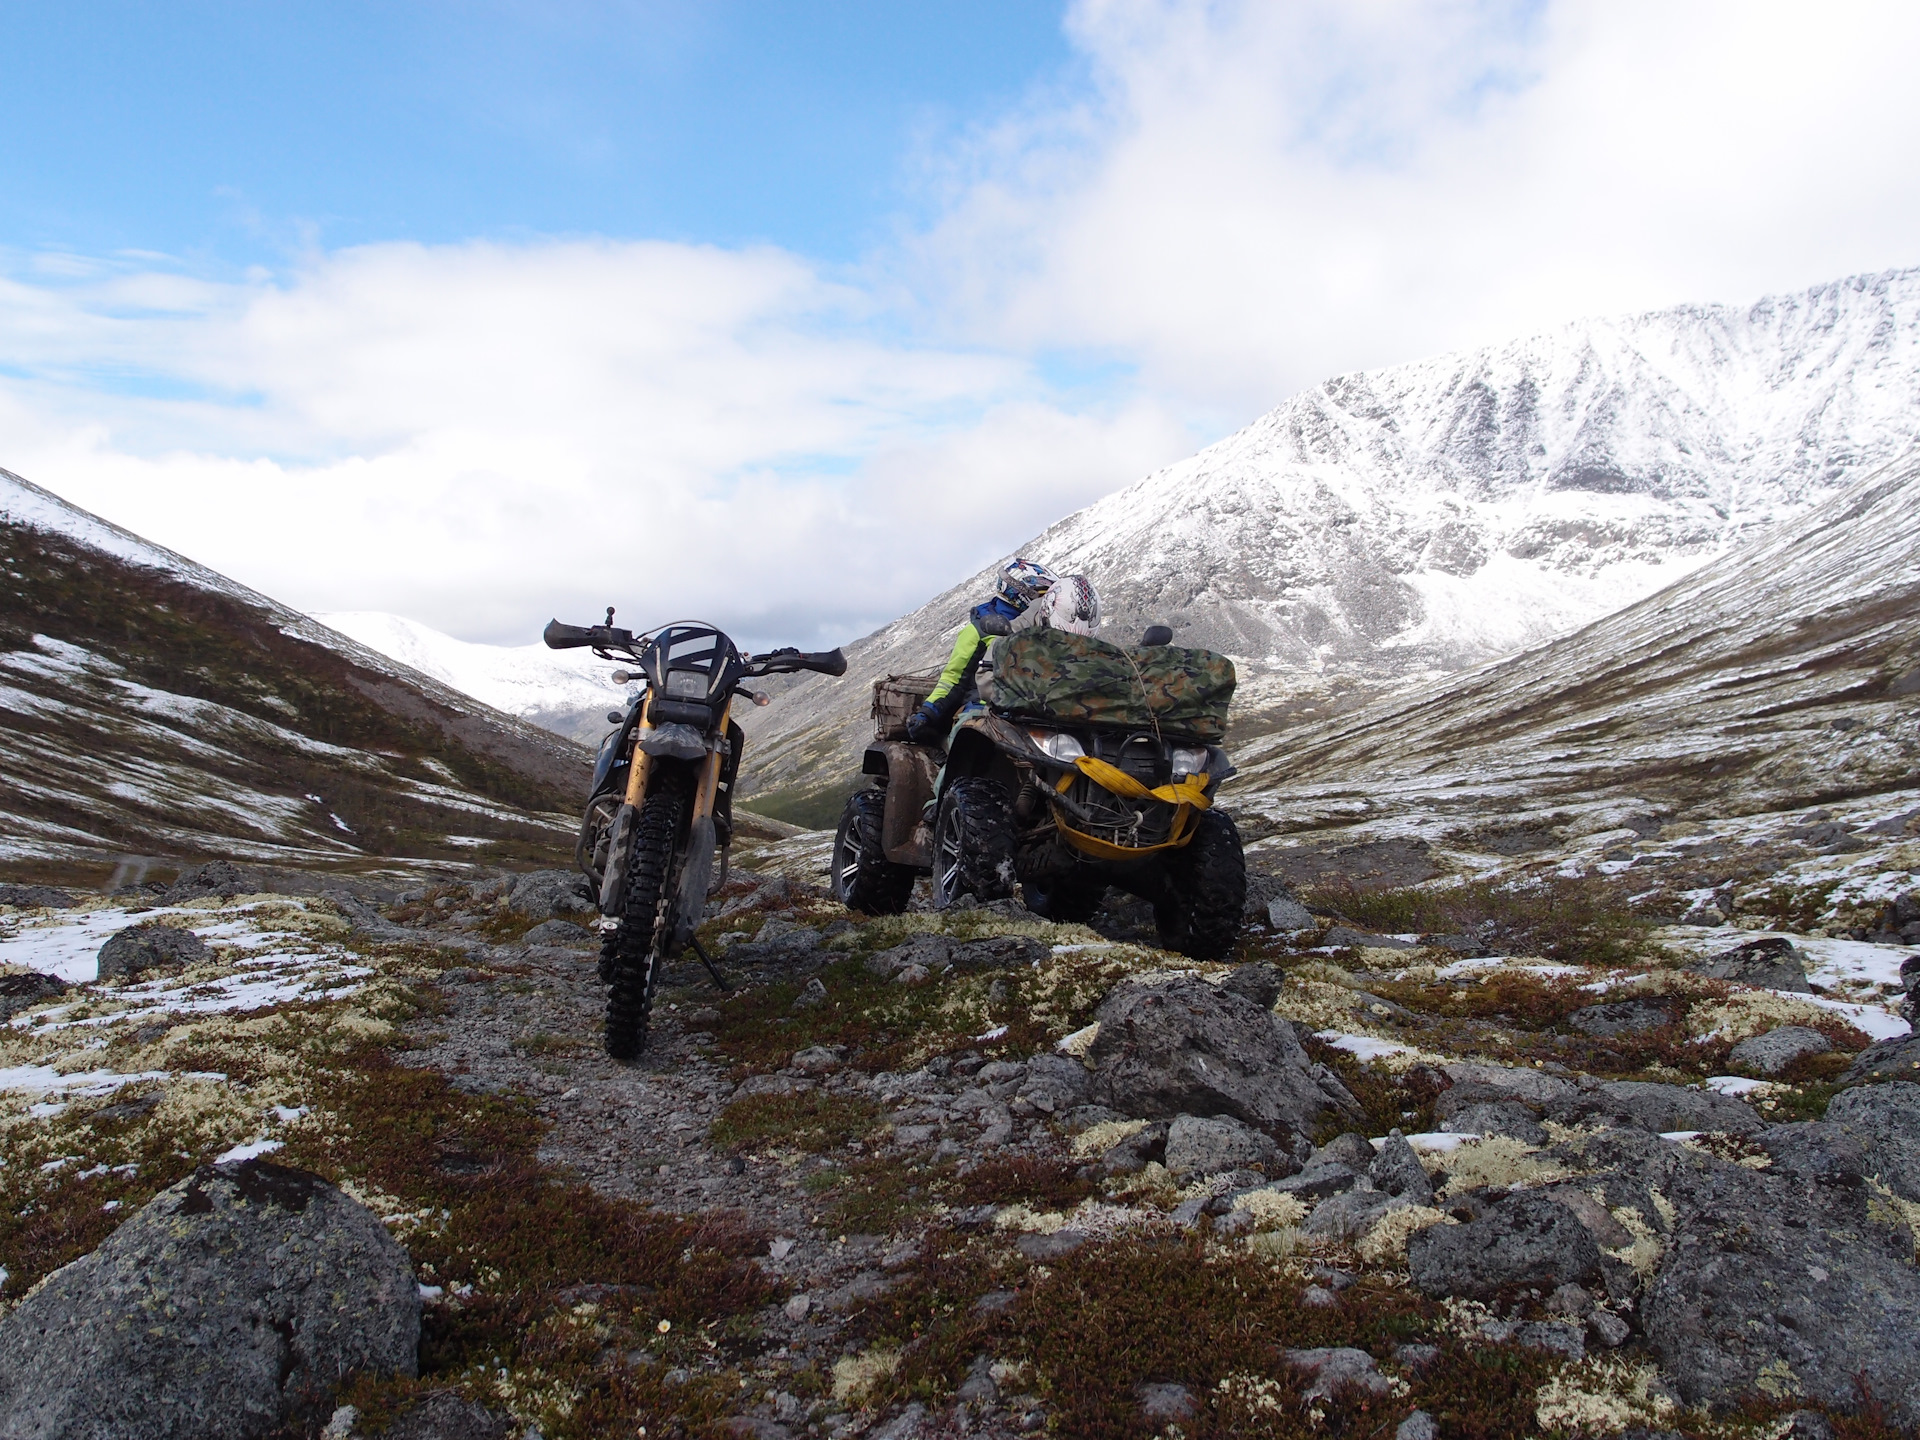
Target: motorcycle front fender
{"points": [[613, 888]]}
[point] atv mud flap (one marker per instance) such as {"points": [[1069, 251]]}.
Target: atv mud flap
{"points": [[905, 836], [613, 888]]}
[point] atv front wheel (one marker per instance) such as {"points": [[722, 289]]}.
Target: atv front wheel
{"points": [[973, 842], [1207, 881], [863, 878], [645, 921]]}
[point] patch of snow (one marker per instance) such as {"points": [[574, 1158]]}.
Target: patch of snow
{"points": [[249, 1151], [1735, 1084], [1364, 1047]]}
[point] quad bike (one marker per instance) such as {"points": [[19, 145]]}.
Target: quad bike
{"points": [[1085, 766], [661, 804]]}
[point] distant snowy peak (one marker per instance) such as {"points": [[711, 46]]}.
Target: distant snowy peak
{"points": [[526, 680], [1441, 513]]}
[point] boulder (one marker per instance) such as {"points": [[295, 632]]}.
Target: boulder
{"points": [[231, 1305], [1770, 964], [1772, 1285], [1320, 1179], [1288, 916], [1777, 1049], [216, 877], [448, 1415], [552, 892], [1259, 982], [1884, 1120], [1334, 1369], [1346, 935], [36, 897], [929, 952], [150, 947], [559, 932], [1183, 1047], [1662, 1109], [1207, 1146], [1526, 1239], [1894, 1059], [998, 952], [1497, 1117], [1349, 1215], [23, 989], [1056, 1084], [1622, 1017], [1533, 1088], [1397, 1171], [1351, 1149]]}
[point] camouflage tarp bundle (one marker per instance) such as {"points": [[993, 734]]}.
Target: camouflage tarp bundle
{"points": [[1080, 679]]}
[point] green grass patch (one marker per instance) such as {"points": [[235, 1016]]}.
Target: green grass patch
{"points": [[812, 1120], [1583, 921]]}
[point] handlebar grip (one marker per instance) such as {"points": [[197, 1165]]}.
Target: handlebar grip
{"points": [[827, 662], [566, 637]]}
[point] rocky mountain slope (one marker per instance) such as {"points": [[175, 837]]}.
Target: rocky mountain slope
{"points": [[154, 711], [1433, 516]]}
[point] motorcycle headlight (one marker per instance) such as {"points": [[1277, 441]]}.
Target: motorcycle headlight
{"points": [[1189, 760], [686, 685], [1059, 746]]}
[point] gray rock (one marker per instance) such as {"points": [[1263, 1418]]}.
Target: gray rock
{"points": [[1527, 1239], [1895, 1059], [1050, 1247], [1349, 1215], [1816, 1151], [1288, 916], [1555, 1336], [1319, 1180], [1777, 1049], [819, 1059], [1182, 1046], [1771, 964], [448, 1415], [912, 1423], [1346, 935], [23, 989], [150, 947], [36, 897], [1056, 1084], [1607, 1329], [559, 932], [230, 1304], [1396, 1170], [1572, 1300], [979, 1387], [1165, 1404], [999, 952], [1659, 1108], [929, 952], [1771, 1280], [1207, 1146], [753, 1427], [1350, 1149], [1417, 1426], [1808, 1425], [551, 892], [812, 995], [1622, 1017], [1337, 1368], [1259, 982], [1507, 1082], [1885, 1121], [1497, 1117], [216, 877]]}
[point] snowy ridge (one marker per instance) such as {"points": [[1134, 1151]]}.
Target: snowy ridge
{"points": [[1393, 525]]}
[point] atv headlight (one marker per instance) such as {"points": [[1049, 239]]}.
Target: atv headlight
{"points": [[1189, 760], [1060, 746], [686, 685]]}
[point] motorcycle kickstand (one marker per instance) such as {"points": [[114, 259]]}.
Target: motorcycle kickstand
{"points": [[712, 969]]}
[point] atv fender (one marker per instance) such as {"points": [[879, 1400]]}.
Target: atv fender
{"points": [[905, 836]]}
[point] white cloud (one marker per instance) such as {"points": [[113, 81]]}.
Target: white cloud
{"points": [[1225, 203]]}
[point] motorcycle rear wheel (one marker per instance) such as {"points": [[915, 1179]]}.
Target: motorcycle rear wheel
{"points": [[863, 878], [645, 919]]}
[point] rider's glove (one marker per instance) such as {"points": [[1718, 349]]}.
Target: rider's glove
{"points": [[923, 726]]}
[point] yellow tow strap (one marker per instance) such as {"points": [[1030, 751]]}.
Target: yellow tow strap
{"points": [[1189, 795]]}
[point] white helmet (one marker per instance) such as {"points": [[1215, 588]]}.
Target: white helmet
{"points": [[1022, 582], [1070, 604]]}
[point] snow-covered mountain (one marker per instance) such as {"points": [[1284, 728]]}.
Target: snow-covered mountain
{"points": [[1426, 518], [566, 691]]}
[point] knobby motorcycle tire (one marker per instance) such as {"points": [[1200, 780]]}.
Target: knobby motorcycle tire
{"points": [[636, 950], [1208, 880], [974, 829], [863, 878]]}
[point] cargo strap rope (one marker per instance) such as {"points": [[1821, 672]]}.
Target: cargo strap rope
{"points": [[1188, 796]]}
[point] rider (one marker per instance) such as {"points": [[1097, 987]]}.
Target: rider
{"points": [[1021, 583]]}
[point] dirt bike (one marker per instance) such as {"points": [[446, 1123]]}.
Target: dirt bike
{"points": [[1067, 779], [660, 807]]}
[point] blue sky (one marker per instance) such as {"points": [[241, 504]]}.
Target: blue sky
{"points": [[402, 306], [236, 133]]}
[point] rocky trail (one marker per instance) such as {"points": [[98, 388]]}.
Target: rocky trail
{"points": [[1555, 1170]]}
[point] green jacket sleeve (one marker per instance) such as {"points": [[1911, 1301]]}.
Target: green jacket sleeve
{"points": [[964, 644]]}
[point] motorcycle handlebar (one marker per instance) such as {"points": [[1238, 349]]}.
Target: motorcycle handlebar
{"points": [[573, 637], [826, 662]]}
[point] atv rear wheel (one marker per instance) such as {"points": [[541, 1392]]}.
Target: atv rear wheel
{"points": [[645, 921], [863, 878], [973, 842], [1207, 889], [1066, 900]]}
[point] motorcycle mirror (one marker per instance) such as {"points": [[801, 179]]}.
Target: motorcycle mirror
{"points": [[1157, 635], [757, 696], [620, 677], [614, 717]]}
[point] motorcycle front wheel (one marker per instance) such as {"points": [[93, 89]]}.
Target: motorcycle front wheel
{"points": [[973, 842], [645, 919], [863, 878]]}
